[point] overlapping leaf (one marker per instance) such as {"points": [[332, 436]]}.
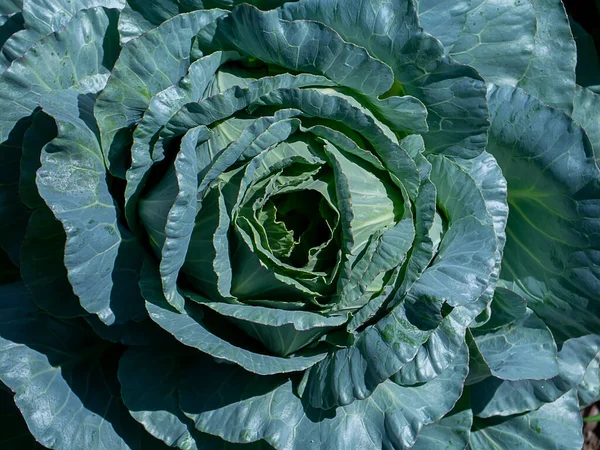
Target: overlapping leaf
{"points": [[345, 242]]}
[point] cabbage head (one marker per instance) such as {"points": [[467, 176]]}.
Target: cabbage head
{"points": [[310, 225]]}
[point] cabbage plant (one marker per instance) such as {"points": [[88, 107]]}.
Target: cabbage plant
{"points": [[322, 224]]}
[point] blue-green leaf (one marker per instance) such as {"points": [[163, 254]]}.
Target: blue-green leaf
{"points": [[64, 379], [11, 7], [226, 103], [140, 16], [452, 432], [555, 426], [523, 349], [180, 218], [160, 109], [10, 23], [588, 390], [423, 248], [72, 181], [252, 408], [488, 177], [43, 269], [13, 428], [387, 253], [22, 86], [495, 397], [348, 374], [506, 307], [58, 61], [149, 381], [462, 268], [551, 73], [402, 114], [527, 44], [43, 17], [585, 106], [191, 329], [552, 253], [452, 93], [282, 332], [485, 181], [494, 36], [304, 46], [208, 259], [146, 66], [46, 16]]}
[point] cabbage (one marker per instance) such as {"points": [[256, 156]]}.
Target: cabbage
{"points": [[322, 224]]}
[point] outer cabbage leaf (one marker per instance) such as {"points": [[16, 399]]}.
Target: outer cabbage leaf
{"points": [[586, 104], [146, 66], [44, 69], [480, 32], [286, 224], [42, 266], [21, 88], [193, 330], [552, 251], [42, 17], [154, 401], [485, 188], [11, 7], [555, 425], [390, 32], [495, 397], [64, 379], [551, 73], [15, 433], [140, 16], [523, 349], [10, 23], [244, 400], [588, 390], [95, 249], [526, 44], [449, 433]]}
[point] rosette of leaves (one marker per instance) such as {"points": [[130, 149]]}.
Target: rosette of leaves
{"points": [[321, 224]]}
